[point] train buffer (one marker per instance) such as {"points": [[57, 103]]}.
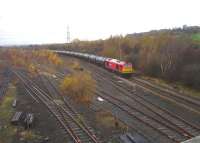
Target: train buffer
{"points": [[17, 117]]}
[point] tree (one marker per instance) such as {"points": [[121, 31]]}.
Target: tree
{"points": [[80, 86]]}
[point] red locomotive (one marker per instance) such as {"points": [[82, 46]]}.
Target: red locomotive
{"points": [[121, 67], [118, 66]]}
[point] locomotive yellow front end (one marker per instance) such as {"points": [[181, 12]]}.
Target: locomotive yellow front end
{"points": [[127, 68]]}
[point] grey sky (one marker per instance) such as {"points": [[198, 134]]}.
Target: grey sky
{"points": [[45, 21]]}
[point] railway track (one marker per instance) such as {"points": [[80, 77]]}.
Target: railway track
{"points": [[93, 109], [169, 89], [3, 88], [4, 84], [52, 89], [187, 129], [163, 113], [78, 132], [131, 128], [189, 102], [175, 131], [165, 122]]}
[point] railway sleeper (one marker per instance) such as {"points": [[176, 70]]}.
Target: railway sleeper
{"points": [[167, 132], [174, 120], [78, 131], [83, 135], [75, 128], [85, 139]]}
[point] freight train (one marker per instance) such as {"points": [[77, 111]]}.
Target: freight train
{"points": [[114, 65]]}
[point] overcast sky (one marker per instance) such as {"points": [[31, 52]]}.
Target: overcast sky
{"points": [[45, 21]]}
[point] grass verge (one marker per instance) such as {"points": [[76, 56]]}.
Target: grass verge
{"points": [[6, 130]]}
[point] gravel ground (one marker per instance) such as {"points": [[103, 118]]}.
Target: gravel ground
{"points": [[45, 125], [154, 136]]}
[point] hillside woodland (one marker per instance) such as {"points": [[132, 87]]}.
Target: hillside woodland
{"points": [[170, 54]]}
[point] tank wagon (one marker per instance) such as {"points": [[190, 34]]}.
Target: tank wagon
{"points": [[114, 65]]}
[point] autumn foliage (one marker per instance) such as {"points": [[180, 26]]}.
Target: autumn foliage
{"points": [[47, 56], [30, 59], [170, 54], [80, 86]]}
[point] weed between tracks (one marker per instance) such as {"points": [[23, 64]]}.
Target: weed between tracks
{"points": [[28, 135], [9, 133], [5, 107], [107, 120], [6, 130]]}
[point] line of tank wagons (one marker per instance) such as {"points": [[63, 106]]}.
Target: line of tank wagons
{"points": [[121, 67]]}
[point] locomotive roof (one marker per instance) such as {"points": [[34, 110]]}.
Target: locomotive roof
{"points": [[117, 61]]}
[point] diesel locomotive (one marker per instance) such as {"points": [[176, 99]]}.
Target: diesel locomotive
{"points": [[114, 65]]}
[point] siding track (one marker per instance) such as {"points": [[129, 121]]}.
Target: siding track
{"points": [[78, 132]]}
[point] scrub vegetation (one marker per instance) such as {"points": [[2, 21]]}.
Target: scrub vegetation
{"points": [[30, 59], [80, 86], [6, 130], [169, 54], [196, 37], [107, 120]]}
